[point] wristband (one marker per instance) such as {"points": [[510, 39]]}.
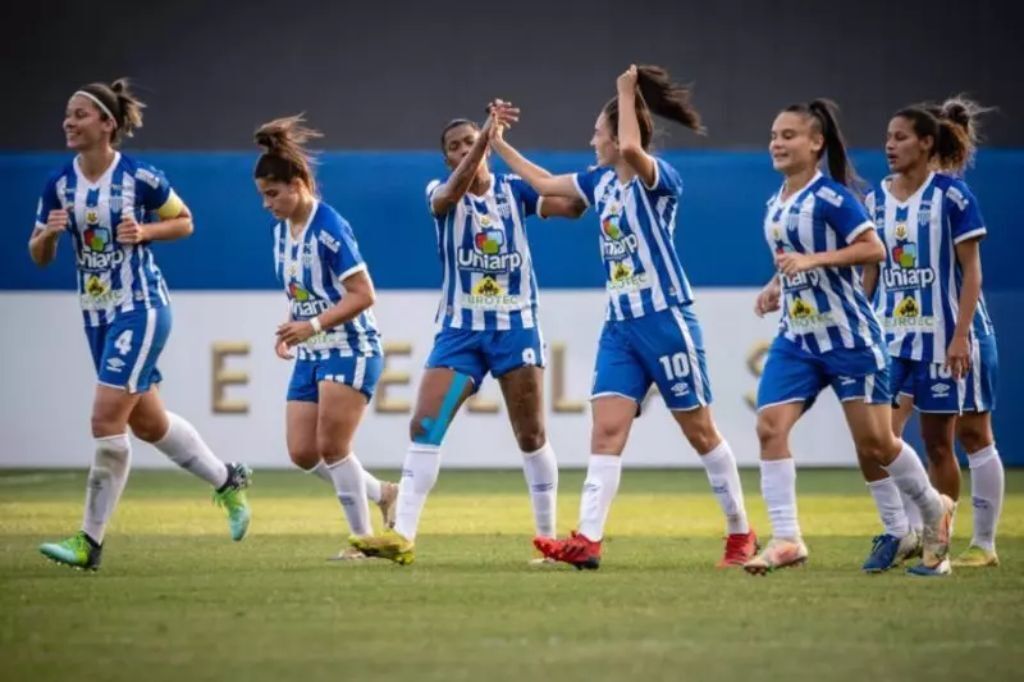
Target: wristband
{"points": [[317, 327]]}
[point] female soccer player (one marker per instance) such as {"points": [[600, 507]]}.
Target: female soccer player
{"points": [[330, 323], [929, 293], [106, 201], [651, 334], [828, 334], [488, 322]]}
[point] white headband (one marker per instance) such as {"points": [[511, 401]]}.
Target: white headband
{"points": [[98, 103]]}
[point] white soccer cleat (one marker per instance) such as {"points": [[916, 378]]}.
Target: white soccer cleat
{"points": [[935, 554], [910, 547], [780, 553]]}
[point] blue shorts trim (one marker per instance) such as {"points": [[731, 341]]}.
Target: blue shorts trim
{"points": [[980, 395], [665, 348], [361, 372], [792, 375], [475, 353], [125, 351], [930, 384]]}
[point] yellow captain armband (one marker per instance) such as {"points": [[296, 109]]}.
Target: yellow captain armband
{"points": [[172, 208]]}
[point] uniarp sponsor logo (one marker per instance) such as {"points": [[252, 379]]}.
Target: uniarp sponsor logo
{"points": [[904, 273], [98, 252], [486, 255], [303, 304]]}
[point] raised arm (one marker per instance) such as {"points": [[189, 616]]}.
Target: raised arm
{"points": [[540, 179], [451, 191], [630, 145], [561, 207]]}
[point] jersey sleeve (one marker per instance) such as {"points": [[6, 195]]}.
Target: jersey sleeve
{"points": [[152, 190], [525, 194], [667, 180], [432, 188], [586, 183], [339, 250], [48, 201], [965, 218], [844, 213]]}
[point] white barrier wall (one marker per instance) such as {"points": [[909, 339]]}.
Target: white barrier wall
{"points": [[48, 383]]}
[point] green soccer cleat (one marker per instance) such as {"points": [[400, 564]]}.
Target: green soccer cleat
{"points": [[390, 545], [78, 551], [231, 496], [976, 557]]}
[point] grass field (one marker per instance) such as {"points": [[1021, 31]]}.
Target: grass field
{"points": [[176, 600]]}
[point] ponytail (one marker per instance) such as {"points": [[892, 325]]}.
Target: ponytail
{"points": [[824, 116], [285, 156], [657, 93], [957, 138], [116, 102]]}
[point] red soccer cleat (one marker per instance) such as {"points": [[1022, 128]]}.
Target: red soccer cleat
{"points": [[739, 549], [576, 550]]}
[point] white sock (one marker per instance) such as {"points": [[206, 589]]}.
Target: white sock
{"points": [[347, 476], [890, 507], [724, 477], [987, 490], [419, 474], [911, 478], [913, 514], [185, 447], [321, 470], [778, 488], [541, 471], [603, 475], [107, 476]]}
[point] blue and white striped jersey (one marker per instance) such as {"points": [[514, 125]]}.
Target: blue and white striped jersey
{"points": [[643, 271], [919, 286], [311, 266], [825, 308], [488, 279], [112, 278]]}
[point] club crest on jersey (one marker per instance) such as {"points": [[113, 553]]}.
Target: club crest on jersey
{"points": [[486, 254], [92, 216]]}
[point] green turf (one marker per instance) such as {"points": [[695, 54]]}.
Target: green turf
{"points": [[176, 600]]}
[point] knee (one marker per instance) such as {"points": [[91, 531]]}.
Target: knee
{"points": [[608, 437], [702, 435], [937, 447], [149, 429], [531, 437], [104, 425], [329, 450], [973, 439], [770, 432], [876, 447], [304, 458]]}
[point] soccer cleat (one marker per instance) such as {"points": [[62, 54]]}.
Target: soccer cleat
{"points": [[388, 502], [348, 554], [935, 544], [910, 547], [739, 549], [977, 557], [231, 496], [576, 550], [780, 553], [78, 551], [540, 561], [390, 545], [884, 552]]}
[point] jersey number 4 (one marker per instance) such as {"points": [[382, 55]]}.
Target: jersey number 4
{"points": [[123, 344]]}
